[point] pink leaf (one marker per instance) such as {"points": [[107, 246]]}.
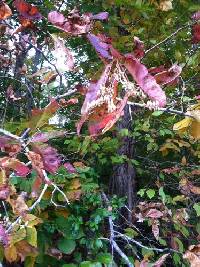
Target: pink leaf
{"points": [[139, 48], [3, 236], [46, 136], [100, 46], [70, 168], [93, 91], [50, 157], [169, 75], [4, 191], [101, 16], [146, 81], [14, 164], [196, 15], [154, 214]]}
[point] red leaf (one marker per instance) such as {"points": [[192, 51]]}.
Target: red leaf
{"points": [[5, 11], [196, 33], [146, 81], [14, 164], [26, 10], [169, 75]]}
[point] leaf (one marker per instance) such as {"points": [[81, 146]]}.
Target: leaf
{"points": [[5, 11], [24, 249], [40, 117], [26, 10], [3, 236], [50, 157], [196, 33], [70, 168], [193, 255], [145, 80], [154, 214], [49, 77], [169, 75], [67, 246], [100, 46], [46, 136], [196, 16], [139, 48], [131, 232], [105, 258], [165, 5], [14, 164], [31, 236], [74, 23], [10, 253], [196, 206], [150, 193], [18, 205]]}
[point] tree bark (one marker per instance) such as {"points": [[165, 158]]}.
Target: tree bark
{"points": [[123, 180]]}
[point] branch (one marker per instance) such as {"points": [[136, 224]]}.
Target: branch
{"points": [[167, 38], [112, 236], [167, 110], [40, 197]]}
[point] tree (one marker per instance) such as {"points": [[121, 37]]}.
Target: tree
{"points": [[100, 119]]}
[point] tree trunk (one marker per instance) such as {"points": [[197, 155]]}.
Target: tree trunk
{"points": [[122, 182]]}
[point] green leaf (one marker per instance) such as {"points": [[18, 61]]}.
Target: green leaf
{"points": [[150, 193], [67, 246], [31, 236], [104, 258], [196, 206], [157, 113], [141, 192], [162, 194], [180, 244], [131, 232]]}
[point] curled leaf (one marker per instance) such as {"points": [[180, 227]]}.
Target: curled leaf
{"points": [[169, 75], [14, 164], [139, 48], [145, 80]]}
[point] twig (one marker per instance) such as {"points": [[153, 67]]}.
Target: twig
{"points": [[167, 110], [40, 197], [7, 133], [168, 38], [70, 92], [112, 236]]}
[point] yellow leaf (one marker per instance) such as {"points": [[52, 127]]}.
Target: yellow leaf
{"points": [[183, 160], [10, 253], [182, 125], [195, 129], [75, 184], [166, 5], [17, 235]]}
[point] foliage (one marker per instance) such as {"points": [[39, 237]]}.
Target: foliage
{"points": [[54, 173]]}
